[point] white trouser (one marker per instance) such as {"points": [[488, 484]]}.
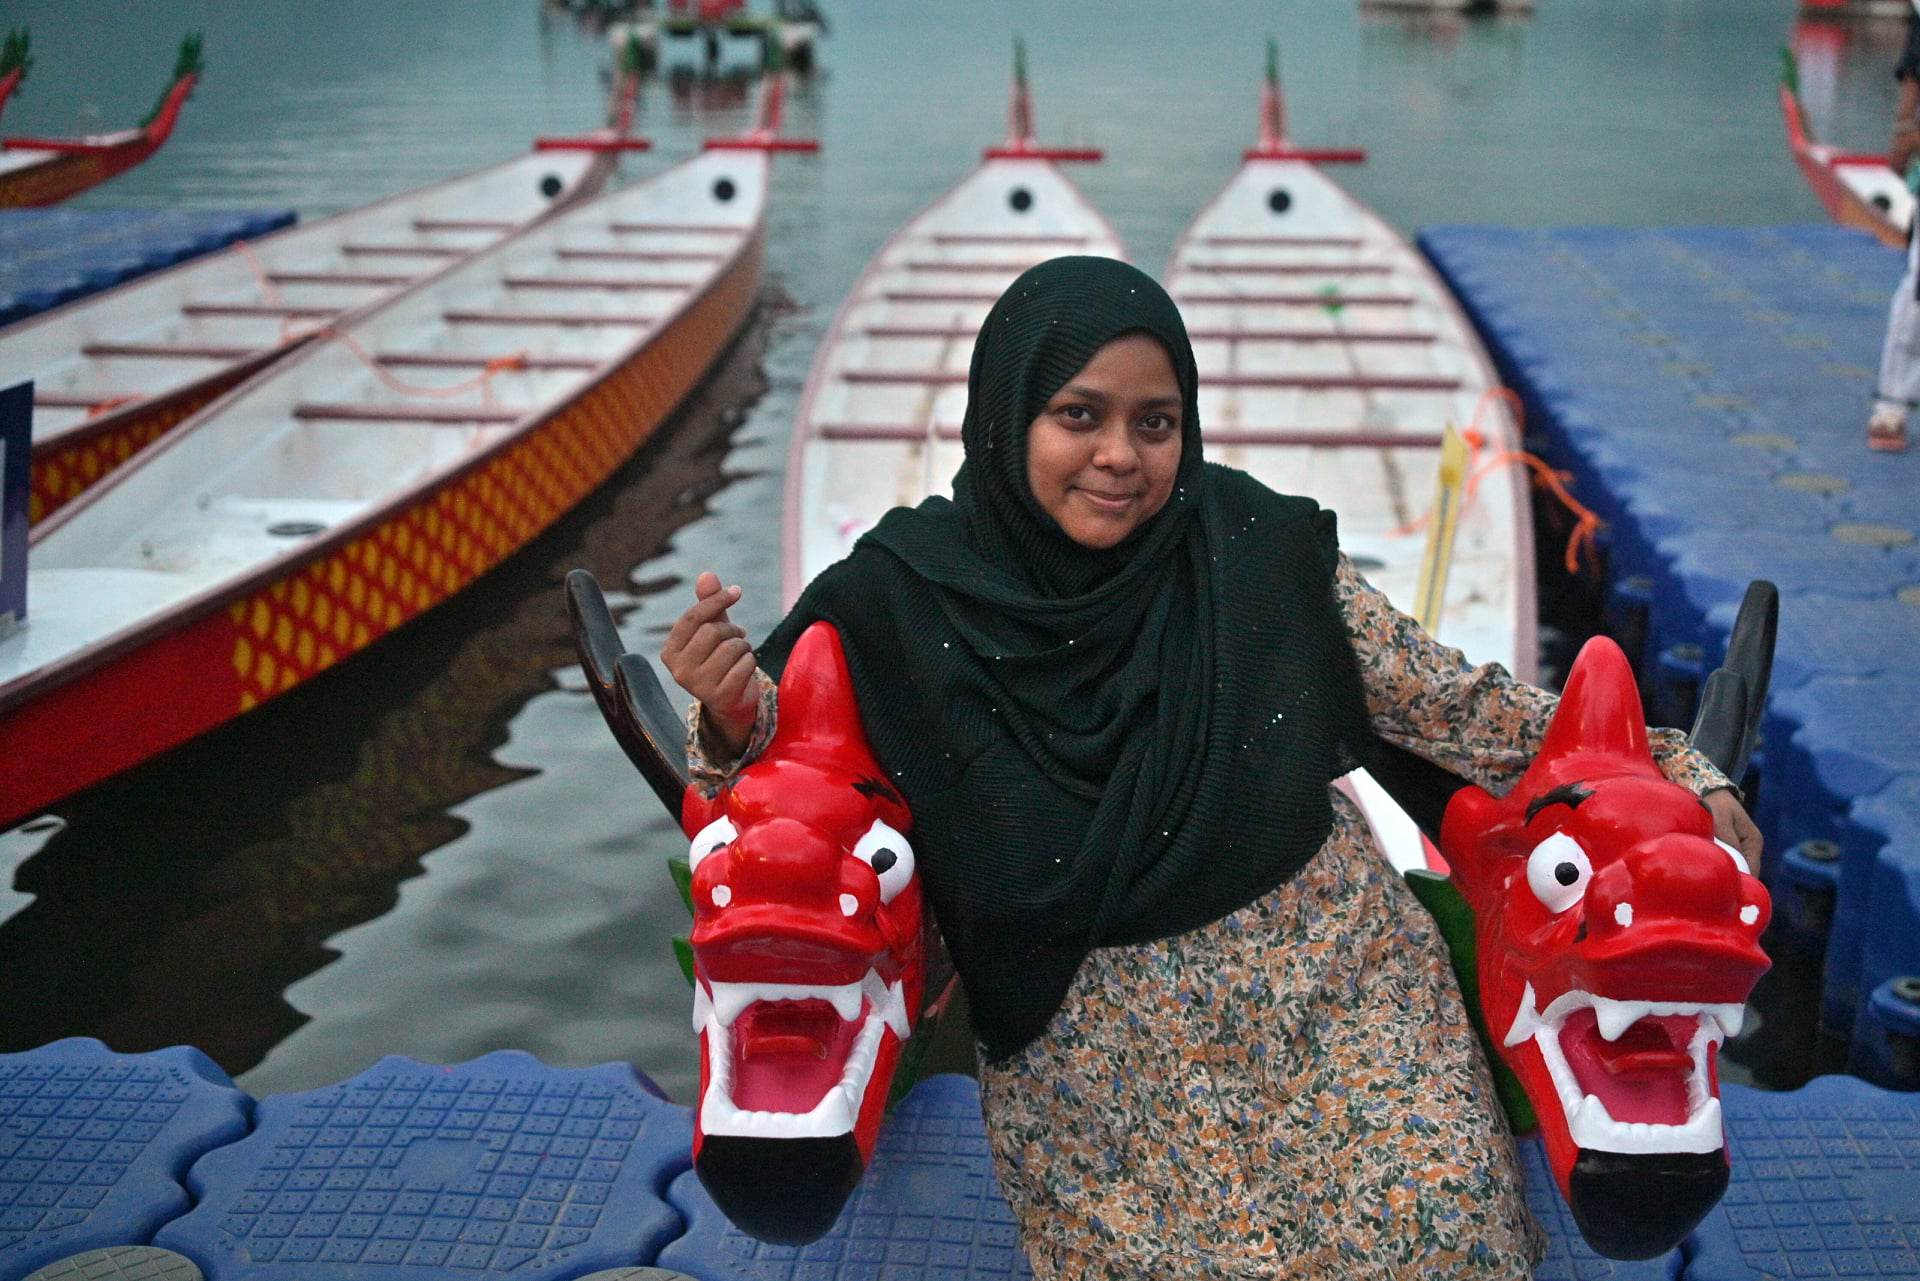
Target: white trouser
{"points": [[1900, 358]]}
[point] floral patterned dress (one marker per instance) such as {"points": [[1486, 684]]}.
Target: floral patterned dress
{"points": [[1293, 1091]]}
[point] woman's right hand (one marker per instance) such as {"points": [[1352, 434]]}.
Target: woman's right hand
{"points": [[710, 658]]}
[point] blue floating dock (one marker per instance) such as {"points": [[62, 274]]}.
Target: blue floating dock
{"points": [[409, 1172], [1826, 1183], [94, 1146], [503, 1166], [52, 256], [929, 1208], [1708, 388]]}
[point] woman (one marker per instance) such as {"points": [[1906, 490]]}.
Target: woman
{"points": [[1218, 1036]]}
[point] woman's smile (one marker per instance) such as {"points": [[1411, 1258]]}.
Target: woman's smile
{"points": [[1108, 501]]}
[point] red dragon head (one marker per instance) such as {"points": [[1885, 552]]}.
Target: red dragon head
{"points": [[808, 959], [807, 954], [1617, 944]]}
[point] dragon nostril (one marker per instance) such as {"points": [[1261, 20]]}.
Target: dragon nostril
{"points": [[849, 905], [722, 895], [1749, 914], [1623, 913]]}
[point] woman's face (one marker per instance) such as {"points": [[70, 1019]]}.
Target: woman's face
{"points": [[1102, 455]]}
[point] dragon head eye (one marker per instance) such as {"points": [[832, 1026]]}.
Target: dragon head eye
{"points": [[889, 855], [1739, 859], [1558, 872], [716, 835]]}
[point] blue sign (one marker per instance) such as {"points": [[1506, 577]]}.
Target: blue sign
{"points": [[16, 453]]}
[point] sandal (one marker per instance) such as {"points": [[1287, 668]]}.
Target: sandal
{"points": [[1887, 432]]}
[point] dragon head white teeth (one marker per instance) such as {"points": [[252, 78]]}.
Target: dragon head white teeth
{"points": [[1615, 1017]]}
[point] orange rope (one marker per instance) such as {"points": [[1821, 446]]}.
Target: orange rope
{"points": [[110, 404], [269, 292], [1586, 523], [483, 380], [1476, 439]]}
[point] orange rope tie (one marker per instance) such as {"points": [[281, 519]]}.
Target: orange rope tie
{"points": [[110, 404], [1586, 523], [483, 380], [269, 292], [1476, 439]]}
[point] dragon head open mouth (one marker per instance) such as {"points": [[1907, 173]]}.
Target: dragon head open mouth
{"points": [[1617, 941], [808, 958], [1631, 1076], [793, 1060]]}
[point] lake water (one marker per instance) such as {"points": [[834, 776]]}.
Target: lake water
{"points": [[437, 850]]}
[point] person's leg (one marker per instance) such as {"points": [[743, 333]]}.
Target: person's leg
{"points": [[1899, 387]]}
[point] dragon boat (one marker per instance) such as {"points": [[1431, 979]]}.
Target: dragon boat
{"points": [[879, 417], [1857, 189], [366, 478], [45, 171], [114, 372], [15, 58], [1331, 360]]}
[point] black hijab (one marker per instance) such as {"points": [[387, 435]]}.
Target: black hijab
{"points": [[1098, 746]]}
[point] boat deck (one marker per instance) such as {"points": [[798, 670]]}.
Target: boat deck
{"points": [[126, 351], [1709, 389], [52, 256], [1331, 361], [502, 1164]]}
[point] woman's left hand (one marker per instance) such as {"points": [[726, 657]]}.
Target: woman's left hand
{"points": [[1731, 824]]}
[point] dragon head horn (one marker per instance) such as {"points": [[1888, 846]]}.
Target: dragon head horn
{"points": [[818, 712], [1600, 710]]}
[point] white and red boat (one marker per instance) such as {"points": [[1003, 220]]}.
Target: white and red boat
{"points": [[14, 61], [114, 371], [1331, 360], [45, 171], [1857, 189], [879, 419], [371, 475]]}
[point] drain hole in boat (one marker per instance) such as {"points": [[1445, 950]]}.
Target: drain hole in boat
{"points": [[723, 190], [1021, 199], [295, 528], [1882, 201], [1279, 200], [550, 185]]}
